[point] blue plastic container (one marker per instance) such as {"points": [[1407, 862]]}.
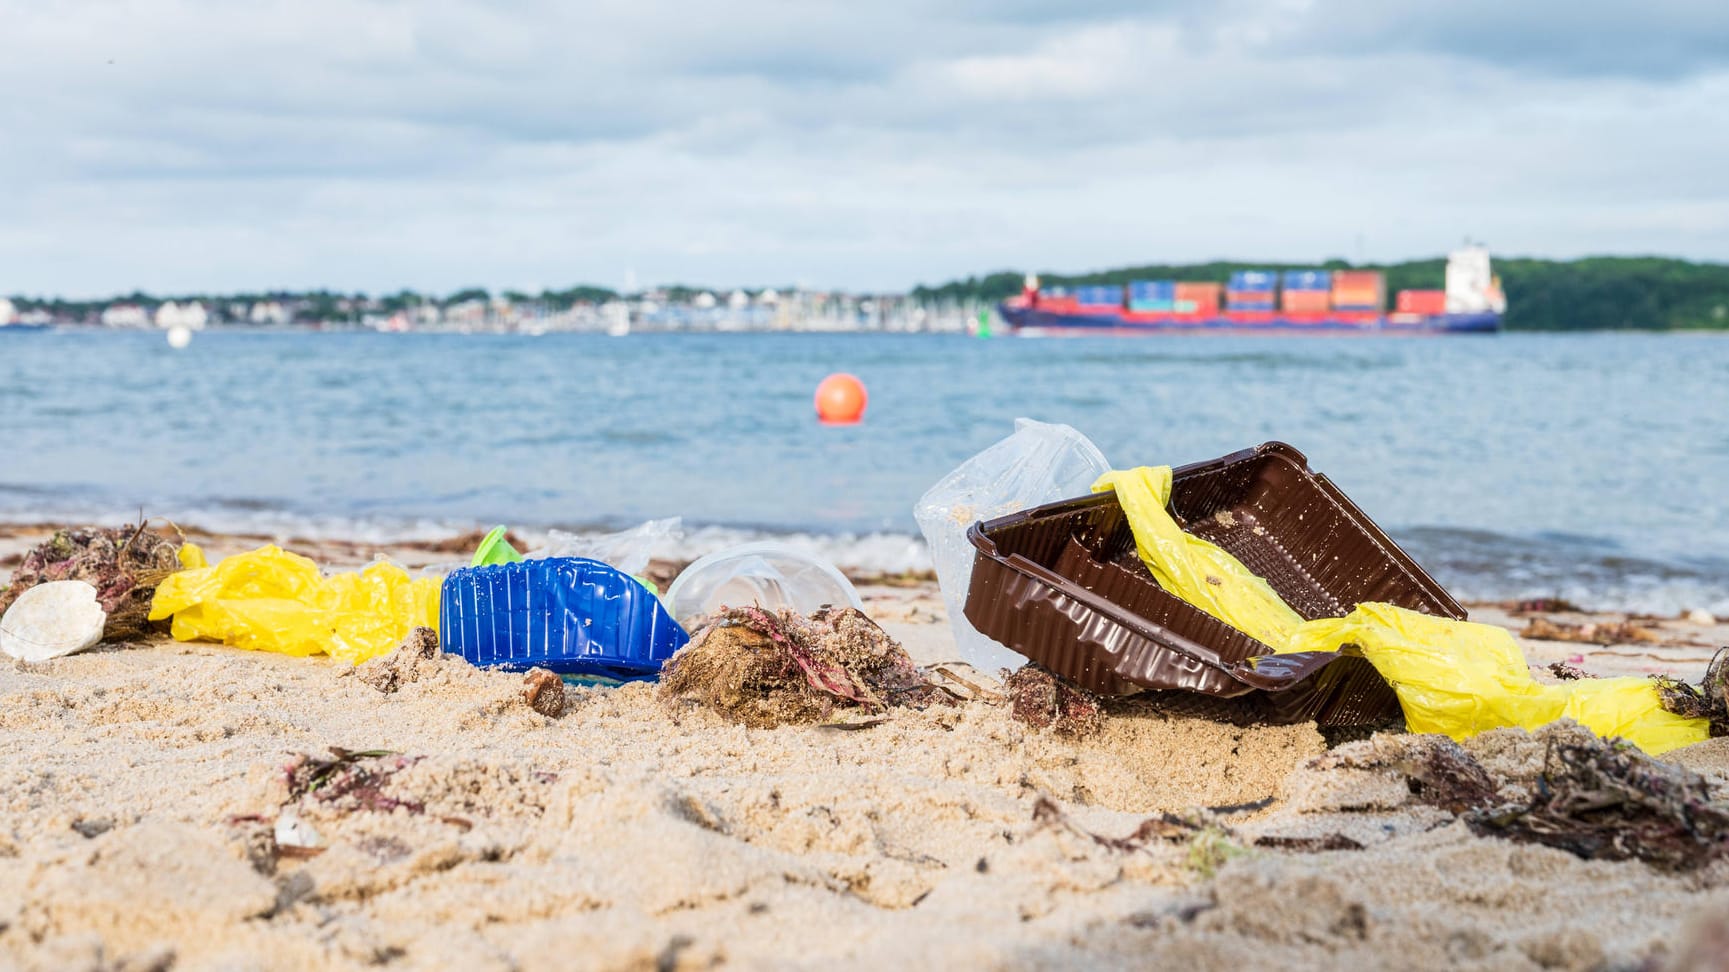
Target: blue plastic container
{"points": [[564, 614]]}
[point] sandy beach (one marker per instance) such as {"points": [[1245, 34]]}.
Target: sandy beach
{"points": [[142, 785]]}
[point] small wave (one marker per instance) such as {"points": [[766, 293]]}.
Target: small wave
{"points": [[1479, 565]]}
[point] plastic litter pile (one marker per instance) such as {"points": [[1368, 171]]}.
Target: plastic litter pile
{"points": [[1146, 584], [1246, 587]]}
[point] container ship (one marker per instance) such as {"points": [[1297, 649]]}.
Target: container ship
{"points": [[1269, 302]]}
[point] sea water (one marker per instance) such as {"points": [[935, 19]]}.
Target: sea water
{"points": [[1591, 466]]}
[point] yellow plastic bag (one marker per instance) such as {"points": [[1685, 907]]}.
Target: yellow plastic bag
{"points": [[1190, 567], [1461, 678], [1451, 677], [273, 600]]}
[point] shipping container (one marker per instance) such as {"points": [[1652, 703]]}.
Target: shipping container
{"points": [[1307, 301], [1422, 302], [1099, 295], [1199, 291], [1359, 290], [1252, 280], [1197, 306], [1358, 279], [1153, 290], [1308, 280], [1152, 306], [1235, 297]]}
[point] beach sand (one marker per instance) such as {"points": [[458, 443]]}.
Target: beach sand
{"points": [[140, 785]]}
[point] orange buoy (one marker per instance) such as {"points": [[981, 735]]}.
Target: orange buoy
{"points": [[840, 400]]}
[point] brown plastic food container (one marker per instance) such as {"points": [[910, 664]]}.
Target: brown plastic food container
{"points": [[1062, 584]]}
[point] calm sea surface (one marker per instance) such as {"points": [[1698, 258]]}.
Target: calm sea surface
{"points": [[1592, 466]]}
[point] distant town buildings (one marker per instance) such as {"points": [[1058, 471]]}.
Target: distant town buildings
{"points": [[580, 309], [125, 315], [268, 313], [190, 315]]}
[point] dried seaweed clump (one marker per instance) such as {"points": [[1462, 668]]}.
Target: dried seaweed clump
{"points": [[1595, 633], [124, 564], [1607, 800], [1040, 699], [350, 779], [1210, 842], [1600, 800], [1568, 673], [765, 669], [1708, 700]]}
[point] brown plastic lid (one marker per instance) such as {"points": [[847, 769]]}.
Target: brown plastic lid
{"points": [[1062, 584]]}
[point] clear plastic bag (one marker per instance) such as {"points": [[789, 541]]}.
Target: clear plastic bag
{"points": [[765, 573], [628, 550], [1039, 463]]}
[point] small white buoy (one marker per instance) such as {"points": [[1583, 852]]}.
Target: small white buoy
{"points": [[179, 337], [51, 620]]}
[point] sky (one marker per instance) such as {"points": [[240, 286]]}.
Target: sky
{"points": [[189, 146]]}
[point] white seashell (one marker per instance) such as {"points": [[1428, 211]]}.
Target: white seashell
{"points": [[1701, 617], [51, 620], [291, 831]]}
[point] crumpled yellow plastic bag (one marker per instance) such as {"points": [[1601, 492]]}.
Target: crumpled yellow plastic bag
{"points": [[273, 600], [1190, 567], [1453, 677]]}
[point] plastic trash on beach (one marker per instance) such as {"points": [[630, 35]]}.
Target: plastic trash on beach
{"points": [[494, 548], [1460, 679], [1039, 463], [628, 550], [1451, 676], [52, 620], [765, 574], [1251, 587], [568, 615], [272, 600]]}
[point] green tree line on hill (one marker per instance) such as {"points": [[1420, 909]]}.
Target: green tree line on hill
{"points": [[1593, 293]]}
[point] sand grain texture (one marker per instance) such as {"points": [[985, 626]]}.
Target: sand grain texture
{"points": [[635, 834]]}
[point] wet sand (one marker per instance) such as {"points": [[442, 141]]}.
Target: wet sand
{"points": [[140, 785]]}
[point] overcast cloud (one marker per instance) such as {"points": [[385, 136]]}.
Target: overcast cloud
{"points": [[198, 145]]}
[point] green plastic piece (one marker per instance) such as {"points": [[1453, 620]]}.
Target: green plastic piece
{"points": [[495, 550]]}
